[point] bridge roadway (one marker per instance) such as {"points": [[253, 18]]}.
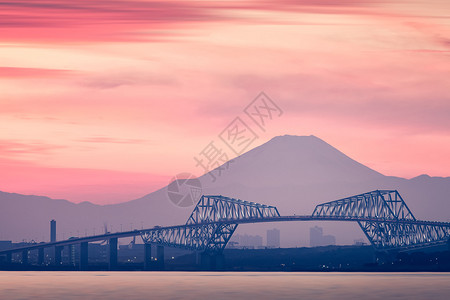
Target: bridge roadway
{"points": [[137, 232], [383, 216]]}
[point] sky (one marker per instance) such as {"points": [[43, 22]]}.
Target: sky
{"points": [[106, 100]]}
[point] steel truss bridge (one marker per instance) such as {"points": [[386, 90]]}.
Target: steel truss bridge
{"points": [[383, 216]]}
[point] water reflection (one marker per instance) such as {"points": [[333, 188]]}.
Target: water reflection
{"points": [[216, 285]]}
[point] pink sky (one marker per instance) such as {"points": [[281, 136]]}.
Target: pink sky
{"points": [[105, 101]]}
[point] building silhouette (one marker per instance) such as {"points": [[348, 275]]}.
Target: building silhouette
{"points": [[316, 237], [246, 241], [359, 242], [273, 238], [52, 231]]}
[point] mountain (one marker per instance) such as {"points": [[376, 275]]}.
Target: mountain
{"points": [[294, 160], [294, 173]]}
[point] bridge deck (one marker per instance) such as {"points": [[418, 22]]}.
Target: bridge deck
{"points": [[294, 218]]}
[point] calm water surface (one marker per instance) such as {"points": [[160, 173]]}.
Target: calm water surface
{"points": [[215, 285]]}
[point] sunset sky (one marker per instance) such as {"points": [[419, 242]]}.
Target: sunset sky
{"points": [[106, 100]]}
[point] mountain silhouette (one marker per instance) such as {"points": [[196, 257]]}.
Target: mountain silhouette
{"points": [[295, 159]]}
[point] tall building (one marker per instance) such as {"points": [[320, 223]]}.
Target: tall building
{"points": [[273, 238], [52, 231], [316, 237]]}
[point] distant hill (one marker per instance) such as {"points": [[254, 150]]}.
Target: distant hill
{"points": [[294, 173]]}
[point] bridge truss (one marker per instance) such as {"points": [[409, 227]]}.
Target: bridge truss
{"points": [[385, 219], [383, 216], [210, 225]]}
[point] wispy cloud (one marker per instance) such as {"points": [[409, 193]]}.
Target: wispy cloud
{"points": [[100, 20], [110, 140], [117, 79], [15, 148], [120, 20], [15, 72]]}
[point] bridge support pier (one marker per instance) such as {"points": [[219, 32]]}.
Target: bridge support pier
{"points": [[160, 257], [147, 256], [112, 254], [220, 261], [25, 257], [57, 255], [41, 256], [8, 258], [84, 256], [211, 262], [72, 253], [158, 262]]}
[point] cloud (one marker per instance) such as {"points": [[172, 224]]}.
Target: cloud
{"points": [[109, 140], [384, 97], [14, 148], [117, 79], [14, 72], [96, 20], [305, 4], [445, 42], [58, 21]]}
